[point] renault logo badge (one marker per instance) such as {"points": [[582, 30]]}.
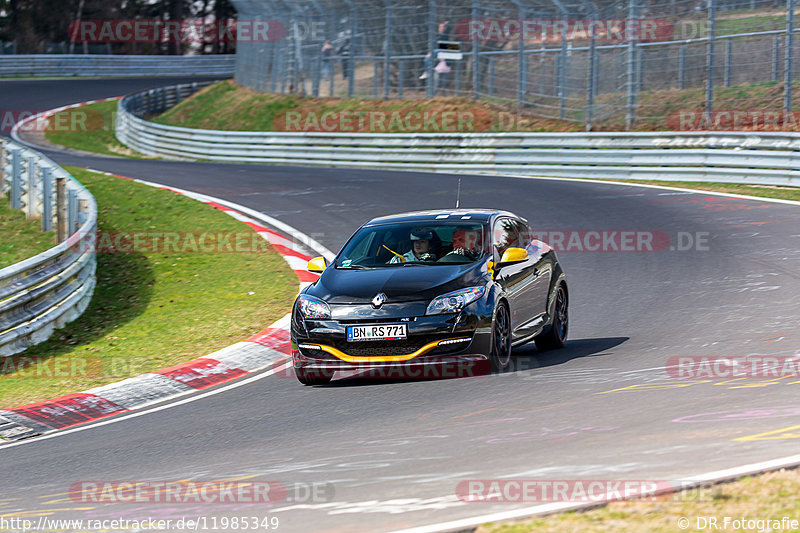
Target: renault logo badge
{"points": [[378, 300]]}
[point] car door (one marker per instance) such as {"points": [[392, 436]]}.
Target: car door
{"points": [[538, 285], [515, 279]]}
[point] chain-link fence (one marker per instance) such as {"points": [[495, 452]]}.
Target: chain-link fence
{"points": [[622, 63]]}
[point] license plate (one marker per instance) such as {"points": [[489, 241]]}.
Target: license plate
{"points": [[382, 332]]}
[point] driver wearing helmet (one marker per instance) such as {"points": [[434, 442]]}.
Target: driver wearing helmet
{"points": [[424, 244]]}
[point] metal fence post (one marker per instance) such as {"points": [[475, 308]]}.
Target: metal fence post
{"points": [[16, 179], [458, 77], [520, 58], [682, 67], [712, 20], [72, 211], [630, 114], [375, 73], [430, 88], [388, 50], [47, 199], [316, 77], [475, 57], [2, 168], [776, 45], [400, 72], [592, 86], [490, 88], [787, 97], [728, 58], [61, 209]]}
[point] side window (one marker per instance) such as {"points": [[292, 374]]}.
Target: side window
{"points": [[525, 233], [504, 235]]}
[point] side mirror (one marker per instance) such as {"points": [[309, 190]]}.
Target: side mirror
{"points": [[317, 265], [511, 256]]}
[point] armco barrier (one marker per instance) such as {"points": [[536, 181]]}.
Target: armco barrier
{"points": [[737, 157], [46, 291], [116, 65]]}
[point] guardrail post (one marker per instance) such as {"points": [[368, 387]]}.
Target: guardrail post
{"points": [[61, 209], [47, 199], [16, 179], [178, 89], [682, 67], [72, 211], [31, 192], [83, 208]]}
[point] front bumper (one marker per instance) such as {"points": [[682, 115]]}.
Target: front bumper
{"points": [[461, 341]]}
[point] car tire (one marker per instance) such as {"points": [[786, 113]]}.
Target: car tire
{"points": [[313, 377], [555, 336], [500, 353]]}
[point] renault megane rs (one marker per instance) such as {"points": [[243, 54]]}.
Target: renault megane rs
{"points": [[429, 288]]}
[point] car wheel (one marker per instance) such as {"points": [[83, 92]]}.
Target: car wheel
{"points": [[500, 355], [556, 335], [313, 377]]}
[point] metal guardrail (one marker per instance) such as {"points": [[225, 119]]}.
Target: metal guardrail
{"points": [[46, 291], [736, 157], [116, 65]]}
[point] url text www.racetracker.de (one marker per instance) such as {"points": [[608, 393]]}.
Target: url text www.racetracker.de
{"points": [[188, 523]]}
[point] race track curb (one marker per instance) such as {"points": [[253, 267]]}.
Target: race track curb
{"points": [[266, 349]]}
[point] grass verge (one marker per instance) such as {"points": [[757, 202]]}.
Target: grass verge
{"points": [[770, 496], [89, 128], [152, 310], [21, 237]]}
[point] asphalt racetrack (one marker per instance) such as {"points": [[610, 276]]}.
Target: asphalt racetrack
{"points": [[389, 455]]}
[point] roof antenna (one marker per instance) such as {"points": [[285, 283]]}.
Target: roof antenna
{"points": [[458, 194]]}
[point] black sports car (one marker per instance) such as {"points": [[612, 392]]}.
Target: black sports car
{"points": [[429, 288]]}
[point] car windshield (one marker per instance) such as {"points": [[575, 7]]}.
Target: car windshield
{"points": [[415, 243]]}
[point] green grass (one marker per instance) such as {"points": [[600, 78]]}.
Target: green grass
{"points": [[89, 128], [152, 310], [768, 496], [20, 237]]}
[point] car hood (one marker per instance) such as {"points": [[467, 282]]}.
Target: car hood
{"points": [[399, 284]]}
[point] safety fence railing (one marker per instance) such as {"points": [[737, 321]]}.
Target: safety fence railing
{"points": [[738, 157], [46, 291], [115, 65]]}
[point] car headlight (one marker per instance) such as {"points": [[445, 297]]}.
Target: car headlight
{"points": [[311, 307], [455, 301]]}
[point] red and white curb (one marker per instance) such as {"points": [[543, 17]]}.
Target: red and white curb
{"points": [[266, 349]]}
